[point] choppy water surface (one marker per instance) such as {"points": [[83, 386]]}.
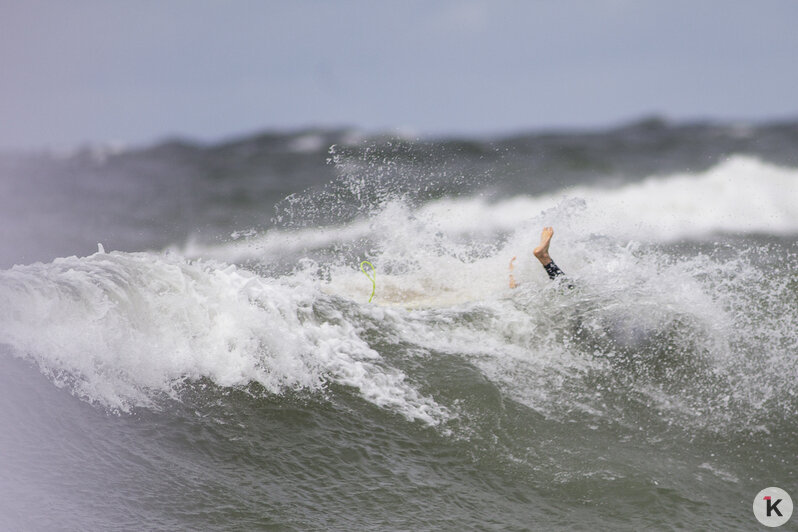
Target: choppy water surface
{"points": [[216, 363]]}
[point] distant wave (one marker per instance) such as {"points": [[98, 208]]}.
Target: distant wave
{"points": [[742, 195]]}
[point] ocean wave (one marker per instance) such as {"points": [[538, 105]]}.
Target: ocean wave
{"points": [[741, 196], [690, 336], [121, 329], [689, 341]]}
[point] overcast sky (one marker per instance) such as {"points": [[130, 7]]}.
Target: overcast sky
{"points": [[137, 71]]}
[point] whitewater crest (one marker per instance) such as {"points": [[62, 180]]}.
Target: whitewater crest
{"points": [[120, 329]]}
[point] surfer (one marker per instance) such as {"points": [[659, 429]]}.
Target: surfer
{"points": [[542, 254]]}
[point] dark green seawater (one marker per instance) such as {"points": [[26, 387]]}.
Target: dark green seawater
{"points": [[216, 364]]}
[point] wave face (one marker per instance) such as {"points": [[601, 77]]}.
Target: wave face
{"points": [[249, 381]]}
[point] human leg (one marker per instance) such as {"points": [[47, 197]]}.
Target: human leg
{"points": [[542, 253]]}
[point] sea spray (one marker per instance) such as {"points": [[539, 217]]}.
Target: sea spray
{"points": [[122, 329]]}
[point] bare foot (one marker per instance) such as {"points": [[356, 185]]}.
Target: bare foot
{"points": [[542, 251]]}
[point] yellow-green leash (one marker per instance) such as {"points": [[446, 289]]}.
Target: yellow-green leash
{"points": [[372, 279]]}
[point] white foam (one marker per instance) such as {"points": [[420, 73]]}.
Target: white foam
{"points": [[739, 196], [275, 243], [308, 143], [117, 328]]}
